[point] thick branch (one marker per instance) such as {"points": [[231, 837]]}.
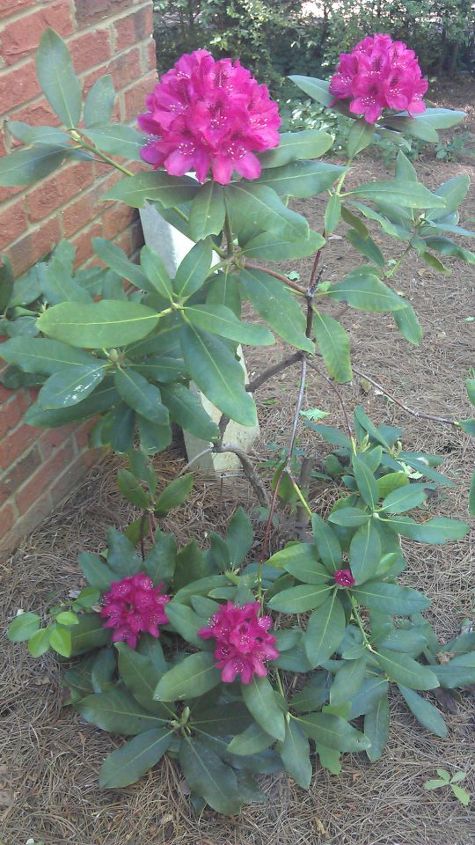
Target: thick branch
{"points": [[248, 469], [249, 265]]}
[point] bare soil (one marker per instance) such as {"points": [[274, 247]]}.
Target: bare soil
{"points": [[49, 760]]}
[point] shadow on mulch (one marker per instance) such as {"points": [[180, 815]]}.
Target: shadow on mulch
{"points": [[50, 760]]}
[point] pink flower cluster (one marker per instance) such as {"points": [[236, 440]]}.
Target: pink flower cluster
{"points": [[132, 606], [344, 578], [243, 641], [209, 114], [378, 74]]}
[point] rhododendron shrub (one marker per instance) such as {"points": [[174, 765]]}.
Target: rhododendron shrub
{"points": [[231, 656]]}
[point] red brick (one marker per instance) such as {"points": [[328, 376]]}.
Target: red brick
{"points": [[125, 68], [88, 11], [15, 444], [149, 50], [83, 243], [17, 86], [64, 486], [38, 113], [81, 435], [9, 7], [7, 519], [12, 223], [17, 474], [134, 97], [133, 28], [54, 192], [21, 37], [53, 439], [116, 219], [79, 213], [35, 245], [25, 525], [90, 50], [44, 477], [12, 410]]}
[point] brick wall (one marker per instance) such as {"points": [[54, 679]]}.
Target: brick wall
{"points": [[39, 468]]}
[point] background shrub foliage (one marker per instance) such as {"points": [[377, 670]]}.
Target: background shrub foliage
{"points": [[125, 353]]}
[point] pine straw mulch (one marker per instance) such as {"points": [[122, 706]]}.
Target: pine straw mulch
{"points": [[50, 760]]}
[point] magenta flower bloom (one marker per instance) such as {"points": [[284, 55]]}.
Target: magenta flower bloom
{"points": [[206, 114], [378, 74], [243, 641], [132, 606], [344, 578]]}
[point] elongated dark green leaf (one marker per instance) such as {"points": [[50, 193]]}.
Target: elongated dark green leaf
{"points": [[56, 76], [99, 103], [424, 711], [294, 553], [23, 167], [38, 134], [96, 571], [71, 385], [6, 284], [253, 207], [260, 700], [193, 270], [439, 530], [174, 494], [186, 409], [300, 599], [327, 543], [405, 498], [123, 141], [217, 319], [366, 246], [128, 763], [23, 627], [333, 732], [399, 192], [159, 186], [408, 324], [251, 741], [131, 489], [239, 536], [40, 355], [332, 214], [88, 634], [334, 344], [295, 753], [207, 211], [372, 690], [208, 776], [116, 711], [376, 728], [325, 630], [218, 374], [277, 306], [458, 672], [360, 136], [308, 570], [365, 552], [301, 178], [348, 681], [275, 247], [141, 676], [391, 598], [362, 289], [116, 259], [349, 517], [317, 89], [294, 146], [142, 396], [161, 559], [222, 720], [191, 678], [365, 480], [155, 271], [441, 118], [406, 671], [104, 324]]}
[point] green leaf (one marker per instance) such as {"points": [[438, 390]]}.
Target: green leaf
{"points": [[24, 167], [307, 569], [372, 690], [260, 700], [121, 556], [155, 271], [424, 711], [131, 489], [128, 763], [186, 409], [301, 179], [333, 732], [297, 145], [294, 553], [333, 213], [141, 676], [365, 552], [67, 617], [404, 670], [38, 134], [348, 681], [325, 630], [317, 89], [174, 494], [123, 141], [207, 775], [391, 598], [454, 192], [365, 480], [251, 741], [60, 640], [218, 374], [253, 207], [99, 103], [23, 627], [360, 136], [142, 396], [435, 784], [185, 622], [327, 543], [334, 344], [295, 753], [116, 259], [239, 536], [219, 320], [71, 385], [313, 695], [349, 517], [117, 712], [161, 369], [98, 325], [95, 571], [277, 306], [279, 247], [224, 720], [207, 211], [300, 599], [88, 634], [366, 246], [161, 559], [191, 678], [399, 192], [408, 324], [458, 672], [6, 284], [461, 794], [441, 118], [363, 290], [193, 270], [57, 78], [376, 728], [405, 498], [38, 643], [439, 530], [159, 186]]}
